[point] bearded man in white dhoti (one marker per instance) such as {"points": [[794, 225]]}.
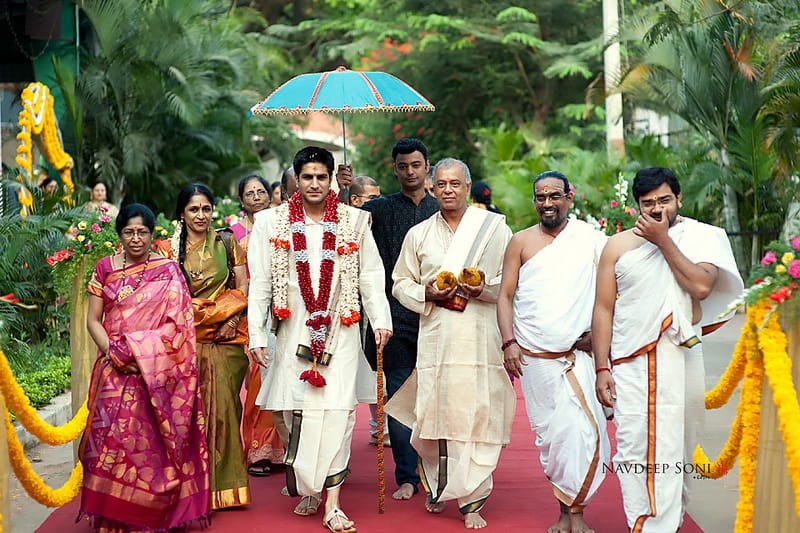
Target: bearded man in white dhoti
{"points": [[545, 312], [310, 259], [660, 286], [459, 401]]}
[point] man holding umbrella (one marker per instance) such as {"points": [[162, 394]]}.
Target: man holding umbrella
{"points": [[392, 217]]}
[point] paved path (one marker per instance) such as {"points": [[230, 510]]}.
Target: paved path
{"points": [[713, 503]]}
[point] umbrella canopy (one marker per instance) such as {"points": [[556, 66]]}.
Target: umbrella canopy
{"points": [[342, 91]]}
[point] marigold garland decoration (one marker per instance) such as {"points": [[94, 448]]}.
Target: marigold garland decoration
{"points": [[30, 480], [38, 118], [778, 368], [17, 402], [762, 349]]}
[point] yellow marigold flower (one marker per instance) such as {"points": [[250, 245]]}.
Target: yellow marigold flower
{"points": [[108, 244], [787, 258], [780, 269], [164, 233], [159, 228], [81, 225], [81, 238]]}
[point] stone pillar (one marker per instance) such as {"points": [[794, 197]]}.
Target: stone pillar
{"points": [[774, 499]]}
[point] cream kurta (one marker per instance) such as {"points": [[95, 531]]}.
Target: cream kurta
{"points": [[552, 309], [282, 389], [463, 394], [659, 378]]}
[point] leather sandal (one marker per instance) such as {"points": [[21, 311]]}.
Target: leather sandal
{"points": [[337, 522]]}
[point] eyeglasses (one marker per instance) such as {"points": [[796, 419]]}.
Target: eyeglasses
{"points": [[368, 196], [661, 201], [252, 194], [129, 234], [555, 197]]}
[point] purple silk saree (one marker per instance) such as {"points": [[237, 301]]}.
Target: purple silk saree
{"points": [[144, 450]]}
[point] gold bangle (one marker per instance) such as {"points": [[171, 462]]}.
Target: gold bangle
{"points": [[232, 323]]}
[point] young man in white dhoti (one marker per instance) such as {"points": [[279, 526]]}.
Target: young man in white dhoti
{"points": [[310, 259], [459, 401], [545, 312], [660, 286]]}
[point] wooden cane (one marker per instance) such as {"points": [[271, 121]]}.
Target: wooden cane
{"points": [[380, 430]]}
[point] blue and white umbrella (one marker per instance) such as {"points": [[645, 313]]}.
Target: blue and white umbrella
{"points": [[342, 91]]}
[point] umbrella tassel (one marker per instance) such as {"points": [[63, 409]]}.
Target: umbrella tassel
{"points": [[380, 430]]}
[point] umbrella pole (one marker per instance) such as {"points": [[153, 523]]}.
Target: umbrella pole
{"points": [[344, 140], [380, 430]]}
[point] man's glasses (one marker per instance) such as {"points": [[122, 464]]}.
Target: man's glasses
{"points": [[252, 194], [368, 196], [129, 234], [555, 197]]}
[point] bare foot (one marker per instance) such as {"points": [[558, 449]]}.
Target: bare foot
{"points": [[405, 492], [474, 521], [436, 508], [578, 524], [562, 526]]}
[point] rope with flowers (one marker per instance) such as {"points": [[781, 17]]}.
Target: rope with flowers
{"points": [[381, 420], [38, 118]]}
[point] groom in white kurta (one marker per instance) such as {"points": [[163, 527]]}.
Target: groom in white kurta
{"points": [[321, 418], [545, 312], [458, 402], [659, 287]]}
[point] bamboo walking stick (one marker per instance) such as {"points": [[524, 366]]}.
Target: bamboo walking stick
{"points": [[380, 430]]}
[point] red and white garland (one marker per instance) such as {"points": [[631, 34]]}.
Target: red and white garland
{"points": [[337, 238]]}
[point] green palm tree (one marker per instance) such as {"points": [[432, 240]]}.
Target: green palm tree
{"points": [[701, 66], [162, 95]]}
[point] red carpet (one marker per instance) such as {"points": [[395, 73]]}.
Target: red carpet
{"points": [[521, 501]]}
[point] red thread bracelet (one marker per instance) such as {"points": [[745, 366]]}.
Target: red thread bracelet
{"points": [[602, 369], [507, 343]]}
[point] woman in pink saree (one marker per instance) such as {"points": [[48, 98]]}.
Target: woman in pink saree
{"points": [[144, 449]]}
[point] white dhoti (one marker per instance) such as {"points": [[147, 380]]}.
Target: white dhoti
{"points": [[312, 461], [657, 430], [569, 425], [456, 470], [552, 309]]}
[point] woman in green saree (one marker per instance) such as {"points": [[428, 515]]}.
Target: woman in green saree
{"points": [[216, 274]]}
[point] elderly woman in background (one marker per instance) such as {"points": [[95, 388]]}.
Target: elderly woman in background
{"points": [[214, 266], [263, 436], [144, 454], [99, 199]]}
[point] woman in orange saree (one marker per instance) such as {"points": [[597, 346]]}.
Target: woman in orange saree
{"points": [[262, 441], [143, 451]]}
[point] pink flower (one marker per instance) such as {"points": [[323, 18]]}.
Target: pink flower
{"points": [[768, 258], [632, 212], [796, 243], [103, 209], [88, 246], [794, 268], [105, 218], [613, 204], [96, 228]]}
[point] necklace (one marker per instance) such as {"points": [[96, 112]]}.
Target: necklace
{"points": [[126, 289], [197, 274]]}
